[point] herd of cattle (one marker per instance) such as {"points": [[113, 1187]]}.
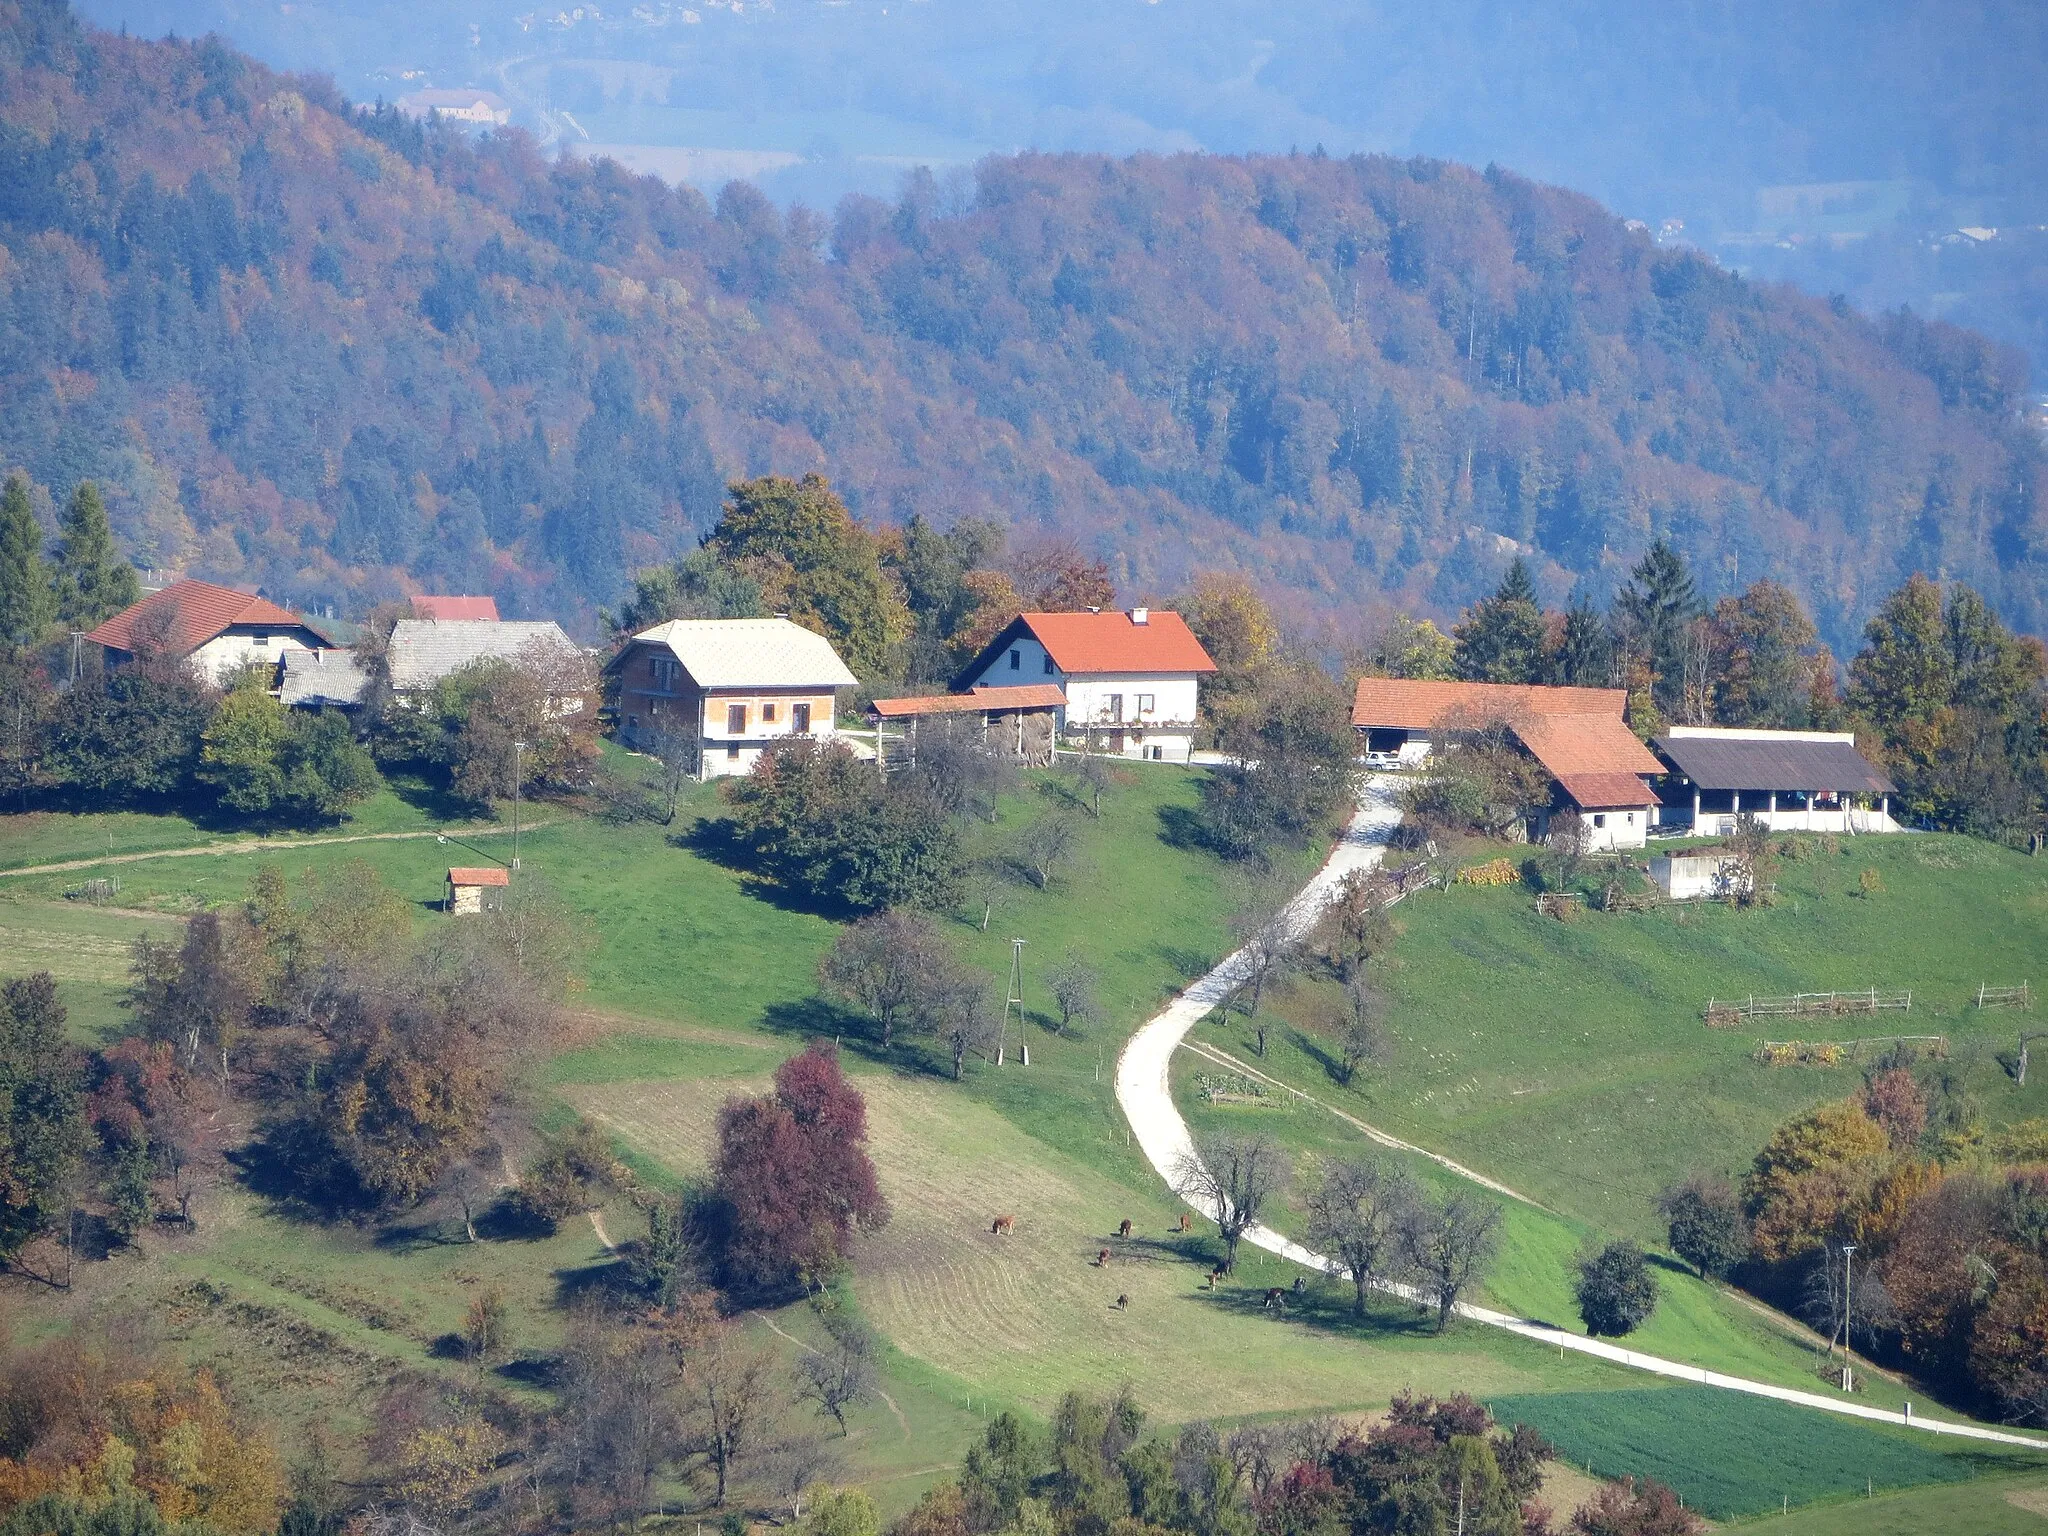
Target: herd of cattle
{"points": [[1276, 1296]]}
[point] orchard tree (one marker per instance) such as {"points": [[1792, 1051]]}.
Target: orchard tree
{"points": [[1356, 1215], [793, 1174], [1448, 1246], [1233, 1179], [884, 964], [1616, 1291], [1705, 1225]]}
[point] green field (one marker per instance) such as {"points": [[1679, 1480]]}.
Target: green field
{"points": [[698, 981], [1569, 1058], [1730, 1457], [1987, 1506]]}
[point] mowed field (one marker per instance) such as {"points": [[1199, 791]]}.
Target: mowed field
{"points": [[1028, 1316]]}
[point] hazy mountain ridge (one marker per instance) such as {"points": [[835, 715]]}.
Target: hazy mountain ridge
{"points": [[316, 351]]}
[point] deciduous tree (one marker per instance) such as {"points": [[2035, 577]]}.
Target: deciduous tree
{"points": [[1232, 1179], [1355, 1214], [1448, 1246], [1616, 1290], [1705, 1224]]}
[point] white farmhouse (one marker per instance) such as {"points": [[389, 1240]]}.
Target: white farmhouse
{"points": [[726, 688], [1131, 679], [215, 630]]}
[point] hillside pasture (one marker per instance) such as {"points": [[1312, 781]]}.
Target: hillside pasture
{"points": [[1030, 1315]]}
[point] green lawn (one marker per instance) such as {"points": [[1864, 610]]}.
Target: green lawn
{"points": [[1987, 1506], [1569, 1058]]}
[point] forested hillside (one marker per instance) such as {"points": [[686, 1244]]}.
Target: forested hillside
{"points": [[328, 351]]}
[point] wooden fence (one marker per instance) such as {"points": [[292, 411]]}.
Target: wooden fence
{"points": [[2005, 997], [1726, 1012]]}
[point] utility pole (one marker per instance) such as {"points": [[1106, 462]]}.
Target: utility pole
{"points": [[1014, 999], [518, 748], [1848, 1301]]}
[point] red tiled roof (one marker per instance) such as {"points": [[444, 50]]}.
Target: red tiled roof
{"points": [[1606, 791], [429, 606], [198, 610], [1416, 704], [1112, 642], [981, 700], [483, 876], [1585, 744]]}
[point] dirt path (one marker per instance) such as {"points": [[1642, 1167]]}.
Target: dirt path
{"points": [[1144, 1093], [597, 1226], [262, 845], [902, 1423]]}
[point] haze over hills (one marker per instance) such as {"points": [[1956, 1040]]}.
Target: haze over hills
{"points": [[1838, 144], [320, 351]]}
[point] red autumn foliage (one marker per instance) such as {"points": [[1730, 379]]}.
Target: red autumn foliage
{"points": [[1895, 1102], [1631, 1508], [794, 1174]]}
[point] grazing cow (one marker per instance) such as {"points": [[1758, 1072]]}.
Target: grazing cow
{"points": [[1123, 1228], [1123, 1303], [1187, 1222], [1102, 1259], [1276, 1297], [1216, 1278], [1300, 1285], [1003, 1226]]}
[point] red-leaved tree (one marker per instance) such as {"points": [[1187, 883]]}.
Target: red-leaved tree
{"points": [[794, 1176]]}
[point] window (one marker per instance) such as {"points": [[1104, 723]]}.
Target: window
{"points": [[259, 639], [1116, 706], [1048, 666], [732, 753], [1599, 821], [665, 669], [800, 718], [1159, 754], [735, 719], [1016, 659], [767, 714], [1145, 705]]}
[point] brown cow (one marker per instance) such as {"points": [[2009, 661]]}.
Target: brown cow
{"points": [[1123, 1228], [1276, 1297], [1209, 1280], [1003, 1226], [1187, 1222], [1102, 1259], [1123, 1303]]}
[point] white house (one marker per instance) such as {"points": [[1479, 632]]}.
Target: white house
{"points": [[1792, 781], [216, 630], [727, 688], [1131, 680]]}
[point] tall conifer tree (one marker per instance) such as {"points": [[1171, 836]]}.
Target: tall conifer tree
{"points": [[91, 581], [25, 605]]}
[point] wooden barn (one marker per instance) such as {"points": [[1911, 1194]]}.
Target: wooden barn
{"points": [[1020, 721]]}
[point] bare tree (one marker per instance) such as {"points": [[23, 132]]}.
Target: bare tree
{"points": [[1092, 773], [965, 772], [1448, 1247], [984, 883], [677, 752], [1046, 845], [1357, 1215], [1269, 952], [1361, 1027], [1073, 983], [958, 1006], [842, 1376], [1358, 922], [1232, 1179], [619, 1427], [884, 963], [1568, 842], [1699, 664], [730, 1390]]}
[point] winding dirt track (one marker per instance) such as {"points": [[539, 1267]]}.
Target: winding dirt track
{"points": [[1144, 1093]]}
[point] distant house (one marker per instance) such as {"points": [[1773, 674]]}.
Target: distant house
{"points": [[1577, 734], [482, 108], [216, 630], [1132, 680], [423, 651], [726, 688], [324, 679], [1018, 721], [1792, 781], [475, 890], [433, 606]]}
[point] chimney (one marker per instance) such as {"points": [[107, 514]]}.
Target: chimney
{"points": [[1141, 615]]}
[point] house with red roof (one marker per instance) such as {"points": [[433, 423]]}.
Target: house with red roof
{"points": [[216, 630], [1131, 679], [444, 606], [1579, 735]]}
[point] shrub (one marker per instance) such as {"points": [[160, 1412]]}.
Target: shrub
{"points": [[1616, 1291]]}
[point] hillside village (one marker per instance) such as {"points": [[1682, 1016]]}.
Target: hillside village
{"points": [[747, 731], [1188, 845]]}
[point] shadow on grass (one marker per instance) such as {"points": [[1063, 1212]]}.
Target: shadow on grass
{"points": [[539, 1371], [1313, 1048], [717, 840], [299, 1184], [1326, 1309], [508, 1220], [412, 1236], [1182, 827], [1188, 964], [609, 1281], [432, 800], [820, 1018]]}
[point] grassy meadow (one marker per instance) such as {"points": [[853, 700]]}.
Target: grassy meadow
{"points": [[1532, 1050]]}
